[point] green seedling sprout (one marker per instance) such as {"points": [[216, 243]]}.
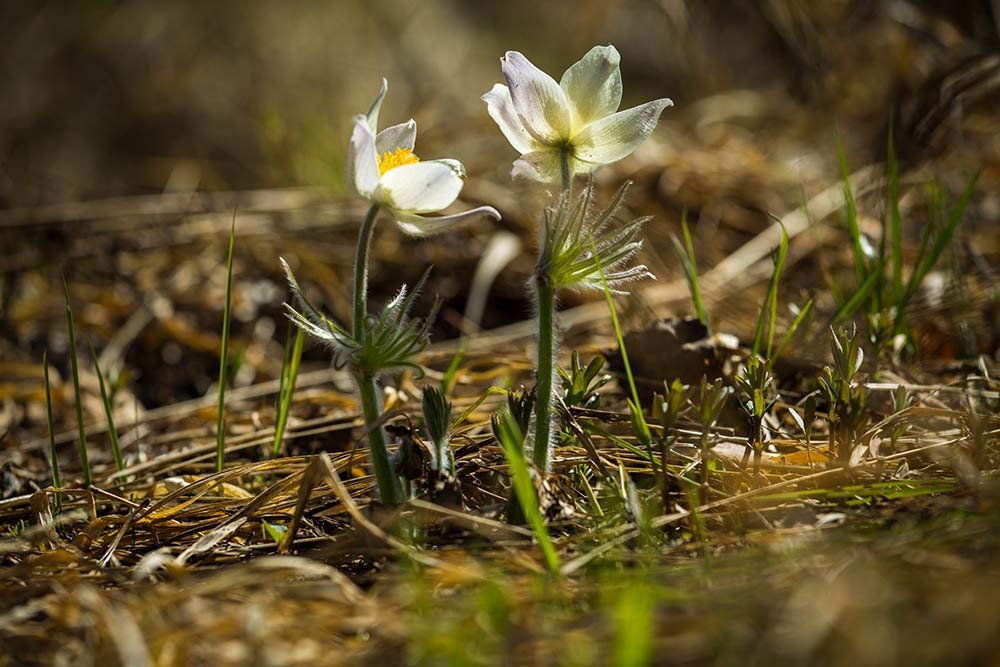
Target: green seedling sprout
{"points": [[437, 421], [582, 383], [758, 396], [846, 399]]}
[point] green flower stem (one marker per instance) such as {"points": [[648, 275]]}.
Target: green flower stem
{"points": [[361, 273], [388, 485], [546, 302], [546, 371], [567, 177]]}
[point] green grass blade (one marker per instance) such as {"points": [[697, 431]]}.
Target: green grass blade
{"points": [[615, 325], [451, 373], [53, 459], [942, 238], [289, 374], [511, 439], [220, 420], [853, 230], [116, 449], [796, 323], [635, 624], [857, 298], [286, 359], [84, 458], [689, 264], [768, 315]]}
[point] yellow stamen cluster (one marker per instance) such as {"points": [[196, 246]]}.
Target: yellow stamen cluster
{"points": [[397, 158]]}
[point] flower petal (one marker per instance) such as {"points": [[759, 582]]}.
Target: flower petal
{"points": [[421, 187], [362, 163], [501, 109], [593, 85], [539, 101], [372, 115], [612, 138], [403, 135], [546, 167], [418, 225], [540, 166]]}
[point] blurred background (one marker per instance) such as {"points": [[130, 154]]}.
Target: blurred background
{"points": [[108, 98], [131, 131]]}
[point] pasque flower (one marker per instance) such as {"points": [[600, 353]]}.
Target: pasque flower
{"points": [[563, 129], [383, 169], [573, 126]]}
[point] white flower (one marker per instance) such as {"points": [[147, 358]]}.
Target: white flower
{"points": [[542, 118], [384, 170]]}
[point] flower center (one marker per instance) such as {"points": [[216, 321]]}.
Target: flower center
{"points": [[397, 158]]}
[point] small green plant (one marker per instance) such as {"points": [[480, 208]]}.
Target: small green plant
{"points": [[669, 405], [846, 399], [75, 373], [520, 405], [758, 396], [806, 421], [582, 383], [667, 408], [712, 397], [437, 421]]}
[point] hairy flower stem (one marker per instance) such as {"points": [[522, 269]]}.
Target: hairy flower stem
{"points": [[545, 299], [361, 273], [388, 484]]}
